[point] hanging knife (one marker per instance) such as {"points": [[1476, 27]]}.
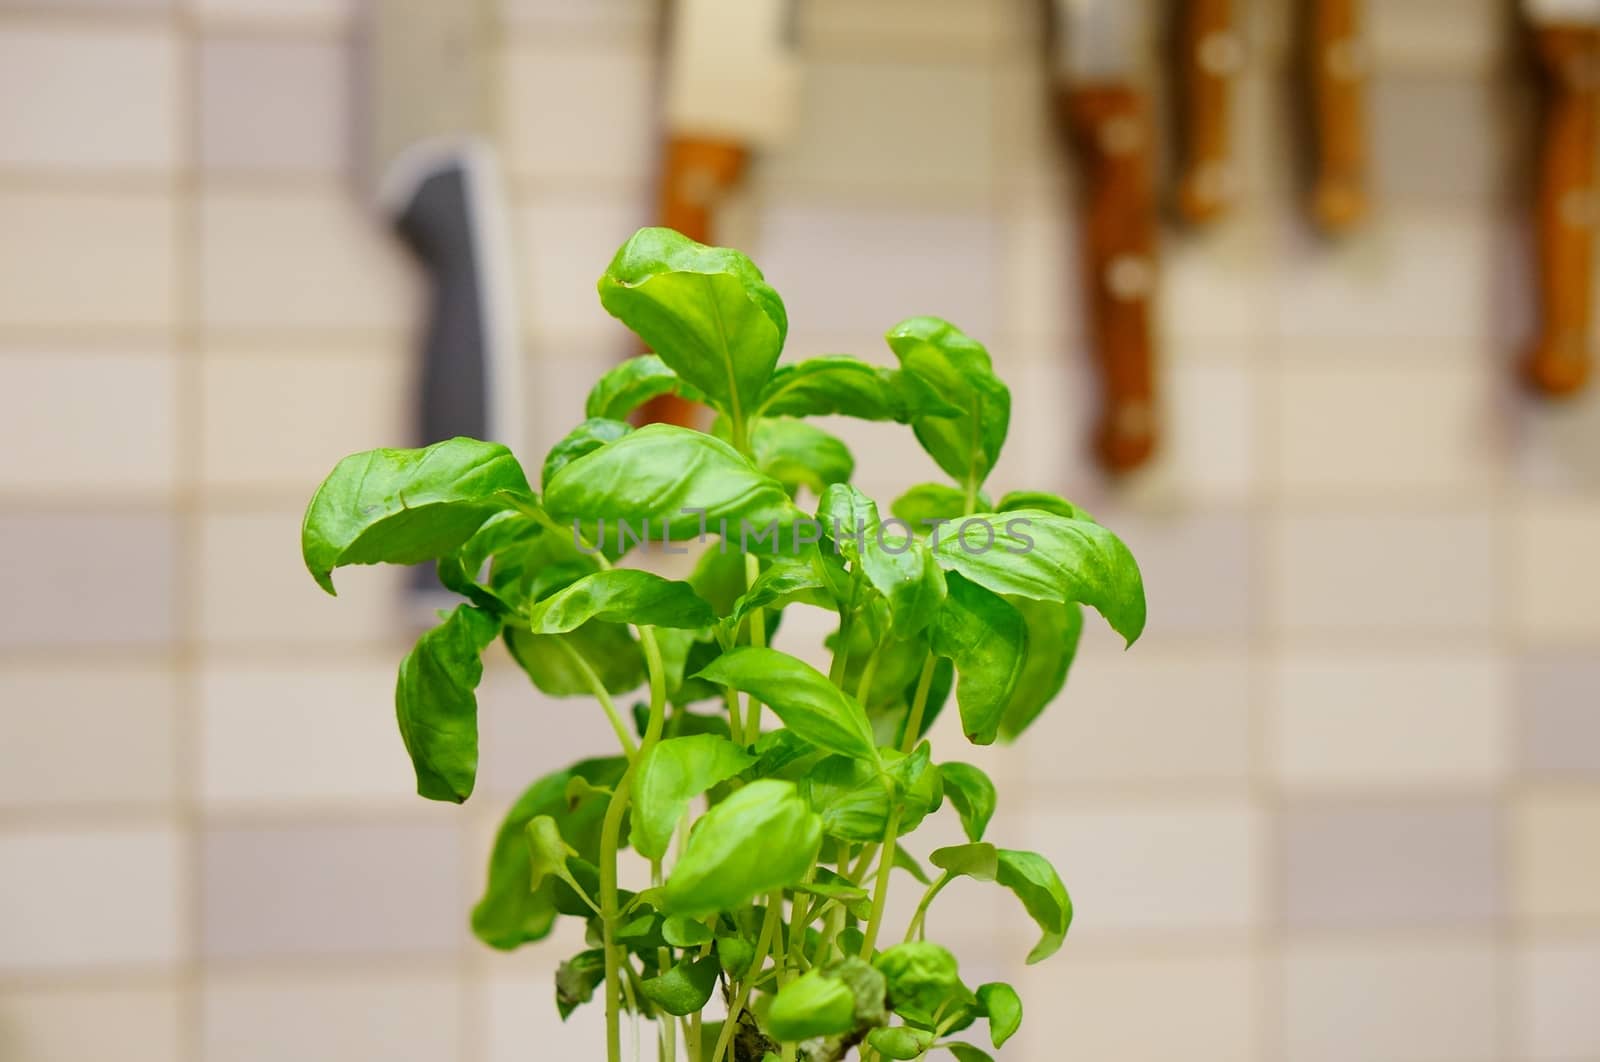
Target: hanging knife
{"points": [[1338, 72], [439, 186], [731, 90], [1567, 40], [1107, 118], [1210, 57]]}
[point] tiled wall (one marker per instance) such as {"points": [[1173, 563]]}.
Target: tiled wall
{"points": [[1342, 803]]}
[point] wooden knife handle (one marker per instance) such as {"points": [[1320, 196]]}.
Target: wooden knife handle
{"points": [[1339, 63], [695, 175], [1211, 55], [1565, 212], [1111, 133]]}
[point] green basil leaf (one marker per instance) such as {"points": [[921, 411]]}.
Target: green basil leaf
{"points": [[928, 504], [898, 566], [672, 773], [1039, 887], [959, 370], [1053, 633], [735, 954], [577, 978], [1035, 554], [586, 438], [857, 901], [813, 1004], [978, 860], [968, 1053], [548, 852], [511, 912], [675, 481], [436, 702], [841, 384], [683, 932], [973, 795], [798, 454], [901, 1042], [685, 988], [985, 638], [923, 980], [730, 858], [406, 506], [1003, 1007], [801, 696], [629, 386], [608, 648], [1043, 501], [850, 796], [706, 312], [784, 581], [621, 595]]}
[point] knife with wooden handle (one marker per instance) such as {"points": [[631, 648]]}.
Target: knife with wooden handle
{"points": [[1567, 40], [1107, 117], [1210, 57], [732, 79], [1338, 66]]}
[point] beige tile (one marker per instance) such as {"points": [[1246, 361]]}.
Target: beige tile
{"points": [[254, 590], [1050, 445], [1556, 1016], [321, 14], [130, 709], [101, 422], [1347, 571], [1556, 855], [844, 144], [1418, 119], [894, 30], [1105, 1007], [86, 259], [338, 402], [1556, 577], [580, 114], [1369, 865], [95, 99], [1449, 35], [1211, 295], [79, 591], [257, 743], [301, 260], [334, 888], [604, 19], [1362, 721], [274, 105], [1560, 693], [135, 1024], [1151, 868], [1213, 429], [1422, 428], [563, 248], [1392, 1002], [60, 913], [1115, 720], [331, 1017], [1198, 566], [1040, 301]]}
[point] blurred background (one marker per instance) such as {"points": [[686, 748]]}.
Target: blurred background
{"points": [[1341, 803]]}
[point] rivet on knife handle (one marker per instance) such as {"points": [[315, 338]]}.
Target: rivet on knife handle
{"points": [[1111, 134], [1565, 213], [1211, 57], [1339, 66]]}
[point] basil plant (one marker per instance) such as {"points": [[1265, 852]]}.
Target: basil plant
{"points": [[770, 803]]}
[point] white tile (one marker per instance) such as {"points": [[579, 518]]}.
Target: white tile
{"points": [[276, 735], [563, 248], [131, 711], [1041, 298], [94, 99], [1186, 866], [109, 898], [1557, 576], [275, 106], [1392, 1002], [1557, 1020], [1213, 428], [1212, 295], [1418, 428], [1438, 34], [1115, 722], [522, 1022], [134, 1024], [1347, 571], [580, 114], [102, 422], [338, 402], [1365, 720], [321, 14], [1556, 857], [332, 1017], [87, 259], [604, 19], [301, 260]]}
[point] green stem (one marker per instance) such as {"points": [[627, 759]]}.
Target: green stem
{"points": [[927, 898], [610, 838], [769, 927], [598, 688], [880, 895], [758, 638], [919, 705], [864, 686]]}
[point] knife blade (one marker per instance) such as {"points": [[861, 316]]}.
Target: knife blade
{"points": [[1567, 42], [731, 90], [1338, 66], [1210, 58], [1106, 115], [437, 182]]}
